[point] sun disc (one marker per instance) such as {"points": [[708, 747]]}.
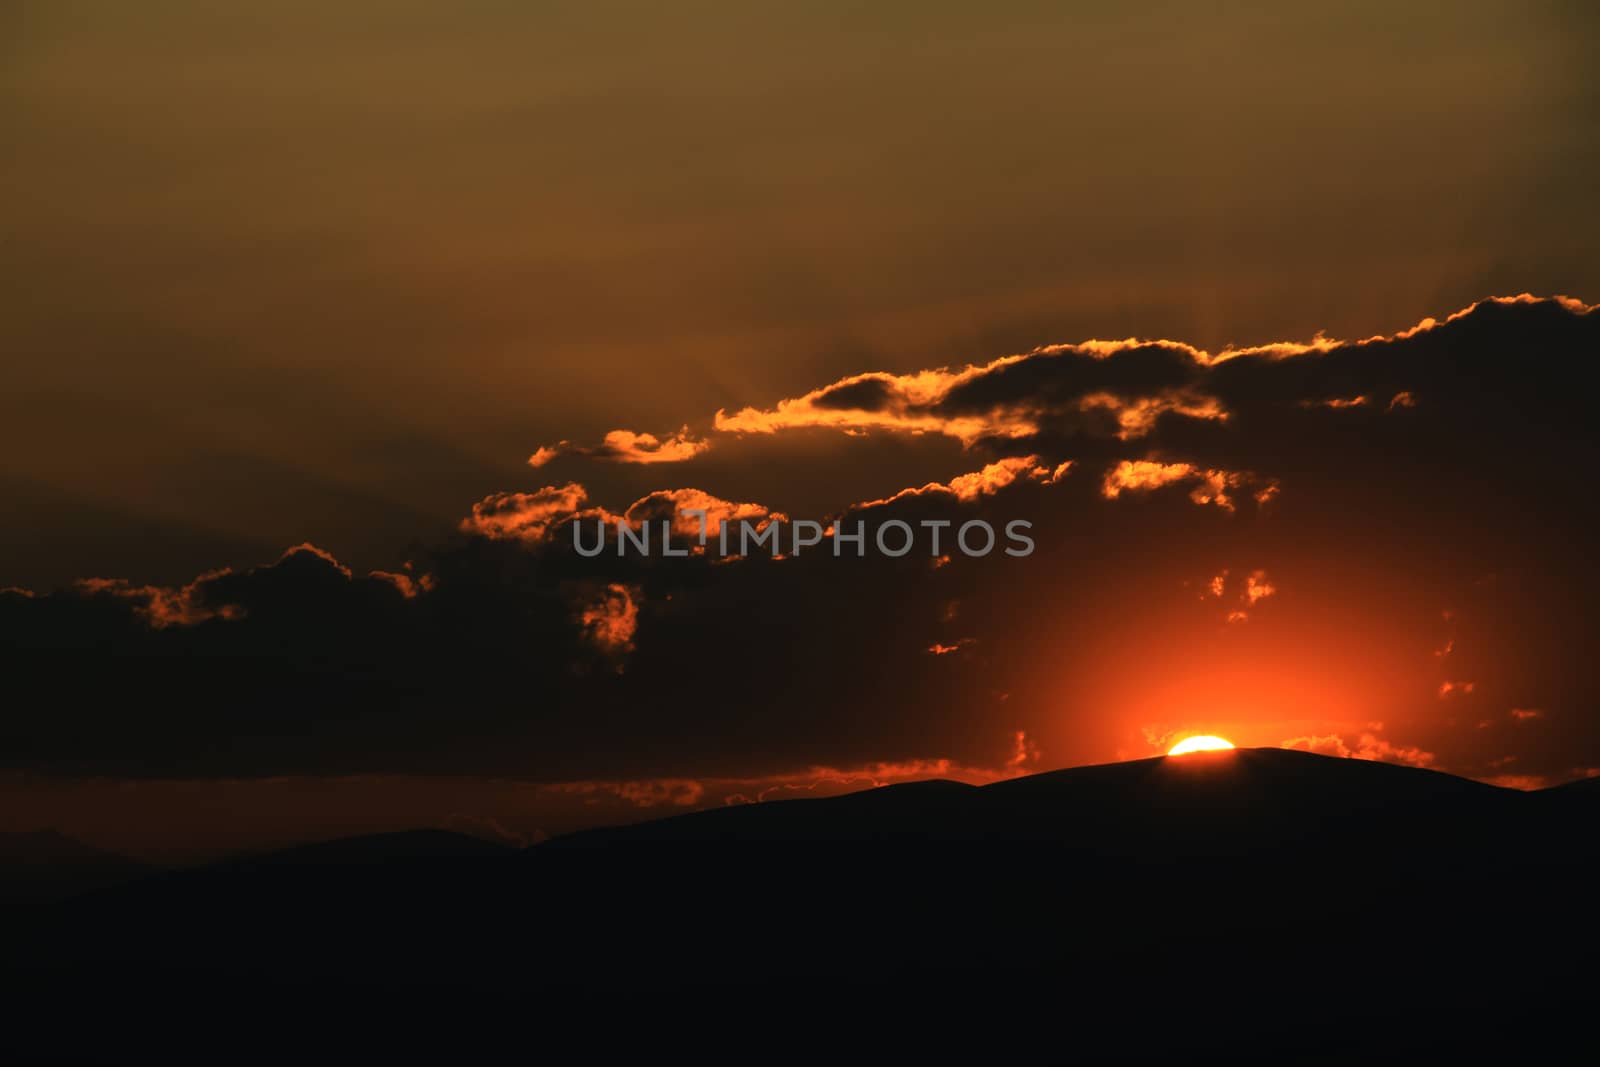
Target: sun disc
{"points": [[1199, 743]]}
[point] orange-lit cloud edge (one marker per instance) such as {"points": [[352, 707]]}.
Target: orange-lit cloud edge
{"points": [[906, 405], [609, 618], [907, 402]]}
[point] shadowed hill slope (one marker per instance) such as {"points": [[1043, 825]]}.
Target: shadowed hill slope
{"points": [[45, 865], [1436, 914]]}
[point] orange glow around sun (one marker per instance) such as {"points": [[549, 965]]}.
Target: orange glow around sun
{"points": [[1199, 743]]}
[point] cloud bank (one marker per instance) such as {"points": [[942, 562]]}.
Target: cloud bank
{"points": [[1361, 505]]}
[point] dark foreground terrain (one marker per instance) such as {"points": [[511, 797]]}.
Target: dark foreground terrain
{"points": [[1254, 906]]}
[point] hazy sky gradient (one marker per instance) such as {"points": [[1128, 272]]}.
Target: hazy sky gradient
{"points": [[332, 271]]}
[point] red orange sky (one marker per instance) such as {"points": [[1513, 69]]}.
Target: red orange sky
{"points": [[414, 289]]}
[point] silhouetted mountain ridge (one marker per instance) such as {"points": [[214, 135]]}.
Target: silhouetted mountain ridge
{"points": [[1255, 884], [1258, 796], [40, 865]]}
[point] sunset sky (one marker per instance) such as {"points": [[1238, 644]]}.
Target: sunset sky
{"points": [[1207, 293]]}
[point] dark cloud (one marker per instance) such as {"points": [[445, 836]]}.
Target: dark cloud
{"points": [[1233, 553], [867, 393], [1056, 376]]}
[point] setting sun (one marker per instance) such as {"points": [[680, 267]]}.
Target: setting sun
{"points": [[1199, 743]]}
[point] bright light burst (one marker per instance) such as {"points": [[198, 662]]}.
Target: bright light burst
{"points": [[1199, 743]]}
